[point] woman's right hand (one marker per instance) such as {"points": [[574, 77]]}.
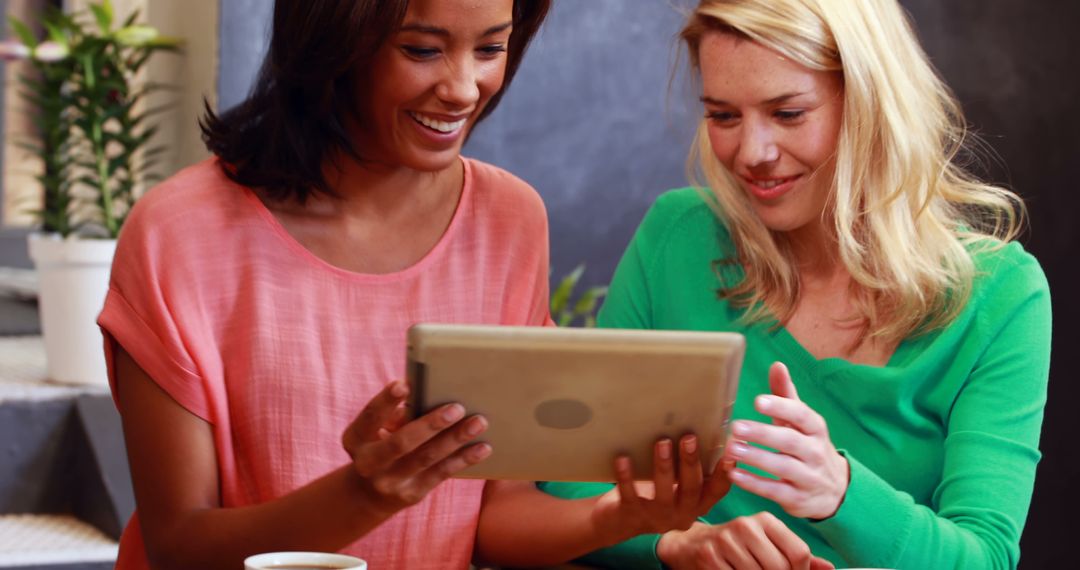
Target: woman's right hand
{"points": [[758, 541], [667, 502], [399, 462]]}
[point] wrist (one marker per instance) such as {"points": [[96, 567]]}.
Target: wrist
{"points": [[666, 546], [368, 506], [841, 491]]}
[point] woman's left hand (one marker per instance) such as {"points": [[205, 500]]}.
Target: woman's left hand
{"points": [[812, 477]]}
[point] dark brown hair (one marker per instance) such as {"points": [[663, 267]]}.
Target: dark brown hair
{"points": [[279, 137]]}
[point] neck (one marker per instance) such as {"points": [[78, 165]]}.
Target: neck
{"points": [[372, 189], [816, 252]]}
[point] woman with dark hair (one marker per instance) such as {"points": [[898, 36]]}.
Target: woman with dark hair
{"points": [[261, 298]]}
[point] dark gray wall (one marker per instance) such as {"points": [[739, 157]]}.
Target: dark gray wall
{"points": [[591, 123], [1013, 63], [588, 122], [244, 27]]}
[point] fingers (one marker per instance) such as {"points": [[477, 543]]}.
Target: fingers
{"points": [[733, 549], [787, 543], [775, 490], [664, 472], [439, 448], [718, 484], [690, 475], [624, 480], [460, 459], [781, 465], [376, 414], [817, 563], [791, 412], [780, 382], [379, 455]]}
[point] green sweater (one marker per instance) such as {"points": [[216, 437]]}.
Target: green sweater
{"points": [[942, 440]]}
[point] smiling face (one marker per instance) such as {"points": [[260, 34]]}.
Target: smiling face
{"points": [[774, 124], [431, 79]]}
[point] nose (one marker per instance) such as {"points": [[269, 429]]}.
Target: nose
{"points": [[757, 145], [458, 87]]}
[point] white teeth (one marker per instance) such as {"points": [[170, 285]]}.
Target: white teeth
{"points": [[769, 184], [441, 126]]}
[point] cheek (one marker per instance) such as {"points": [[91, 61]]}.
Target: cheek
{"points": [[490, 78], [820, 147], [724, 145]]}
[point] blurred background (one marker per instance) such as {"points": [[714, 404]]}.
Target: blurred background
{"points": [[599, 124]]}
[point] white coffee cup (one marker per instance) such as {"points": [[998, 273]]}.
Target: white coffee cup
{"points": [[303, 561]]}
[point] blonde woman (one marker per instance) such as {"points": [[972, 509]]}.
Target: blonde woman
{"points": [[898, 339]]}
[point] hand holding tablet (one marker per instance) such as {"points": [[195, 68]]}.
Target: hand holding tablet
{"points": [[562, 404]]}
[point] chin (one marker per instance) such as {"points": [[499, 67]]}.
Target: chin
{"points": [[779, 222], [428, 161]]}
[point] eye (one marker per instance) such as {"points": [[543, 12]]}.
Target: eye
{"points": [[419, 52], [789, 115], [491, 50], [723, 118]]}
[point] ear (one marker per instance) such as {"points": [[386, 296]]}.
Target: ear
{"points": [[780, 381]]}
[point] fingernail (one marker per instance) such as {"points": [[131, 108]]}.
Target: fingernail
{"points": [[480, 451], [399, 389], [739, 428], [739, 449], [763, 402], [622, 464], [690, 444], [476, 425], [453, 413], [664, 449], [727, 464]]}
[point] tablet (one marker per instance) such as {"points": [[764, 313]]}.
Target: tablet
{"points": [[562, 403]]}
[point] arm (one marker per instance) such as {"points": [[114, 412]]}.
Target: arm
{"points": [[991, 450], [992, 429], [174, 472]]}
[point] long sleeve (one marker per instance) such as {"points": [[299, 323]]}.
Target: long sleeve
{"points": [[991, 448]]}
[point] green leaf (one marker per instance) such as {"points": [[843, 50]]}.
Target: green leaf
{"points": [[103, 13], [55, 33], [560, 299], [23, 31], [586, 304]]}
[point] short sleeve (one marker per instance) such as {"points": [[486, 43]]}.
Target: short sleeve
{"points": [[143, 312]]}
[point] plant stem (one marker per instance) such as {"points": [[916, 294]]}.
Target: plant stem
{"points": [[103, 179]]}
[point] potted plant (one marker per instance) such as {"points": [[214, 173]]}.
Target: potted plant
{"points": [[566, 311], [92, 138]]}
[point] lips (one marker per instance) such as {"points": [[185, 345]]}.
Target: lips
{"points": [[439, 124], [770, 188]]}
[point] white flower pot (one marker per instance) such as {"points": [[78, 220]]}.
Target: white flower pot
{"points": [[74, 276]]}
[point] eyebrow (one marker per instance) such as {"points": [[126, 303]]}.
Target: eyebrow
{"points": [[437, 31], [773, 101]]}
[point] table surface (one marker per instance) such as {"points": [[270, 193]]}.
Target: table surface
{"points": [[22, 373]]}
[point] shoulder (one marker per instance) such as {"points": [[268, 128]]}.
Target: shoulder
{"points": [[680, 205], [1006, 271], [188, 203], [497, 187], [683, 216], [1009, 282], [502, 202], [182, 221]]}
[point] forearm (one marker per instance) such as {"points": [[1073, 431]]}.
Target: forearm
{"points": [[522, 526], [905, 534], [325, 515]]}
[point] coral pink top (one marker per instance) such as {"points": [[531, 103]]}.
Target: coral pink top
{"points": [[279, 350]]}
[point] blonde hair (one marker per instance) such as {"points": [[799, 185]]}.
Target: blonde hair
{"points": [[906, 213]]}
